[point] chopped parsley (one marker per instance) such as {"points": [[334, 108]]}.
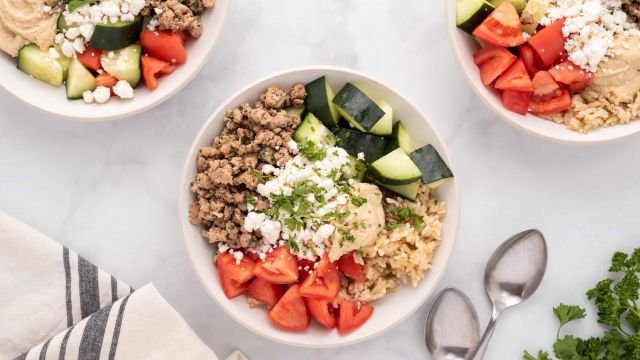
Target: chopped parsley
{"points": [[407, 215], [391, 225], [252, 201], [292, 244], [358, 201], [260, 175], [312, 151], [294, 224], [347, 237]]}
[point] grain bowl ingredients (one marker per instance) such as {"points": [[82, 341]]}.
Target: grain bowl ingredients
{"points": [[312, 219]]}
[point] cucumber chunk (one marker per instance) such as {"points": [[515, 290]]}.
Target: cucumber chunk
{"points": [[408, 191], [518, 4], [355, 142], [79, 80], [357, 108], [532, 13], [292, 110], [313, 130], [400, 138], [357, 169], [319, 102], [124, 64], [384, 126], [434, 170], [395, 168], [471, 13], [118, 35], [37, 63]]}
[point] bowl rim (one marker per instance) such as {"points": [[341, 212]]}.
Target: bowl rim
{"points": [[184, 222], [502, 113], [224, 8]]}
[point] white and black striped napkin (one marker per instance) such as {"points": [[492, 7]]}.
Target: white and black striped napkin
{"points": [[55, 305]]}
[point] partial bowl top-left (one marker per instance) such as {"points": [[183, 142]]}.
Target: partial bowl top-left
{"points": [[53, 100]]}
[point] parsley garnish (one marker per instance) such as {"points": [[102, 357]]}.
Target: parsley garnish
{"points": [[260, 175], [311, 151], [293, 224], [408, 215], [252, 201], [358, 201], [292, 244], [617, 301], [391, 225]]}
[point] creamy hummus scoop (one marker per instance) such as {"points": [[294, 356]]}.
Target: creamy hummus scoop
{"points": [[619, 78], [23, 22]]}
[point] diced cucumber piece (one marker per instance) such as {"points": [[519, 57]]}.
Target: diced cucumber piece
{"points": [[357, 169], [79, 80], [319, 102], [400, 138], [395, 168], [434, 170], [118, 35], [61, 24], [532, 13], [124, 64], [313, 130], [292, 110], [65, 62], [407, 191], [471, 13], [518, 4], [357, 108], [37, 63], [355, 142], [384, 126]]}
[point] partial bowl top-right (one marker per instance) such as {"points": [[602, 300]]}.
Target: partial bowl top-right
{"points": [[567, 71]]}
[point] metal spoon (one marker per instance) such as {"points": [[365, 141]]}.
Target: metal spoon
{"points": [[452, 329], [513, 273]]}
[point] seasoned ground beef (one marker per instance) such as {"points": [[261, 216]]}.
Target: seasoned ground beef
{"points": [[632, 8], [178, 15], [228, 169]]}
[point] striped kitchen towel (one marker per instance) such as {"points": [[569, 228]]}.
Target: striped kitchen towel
{"points": [[56, 305]]}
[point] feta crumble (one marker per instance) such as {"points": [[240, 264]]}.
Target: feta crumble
{"points": [[123, 89], [102, 94]]}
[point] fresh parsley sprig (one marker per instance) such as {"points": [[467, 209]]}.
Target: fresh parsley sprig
{"points": [[617, 301]]}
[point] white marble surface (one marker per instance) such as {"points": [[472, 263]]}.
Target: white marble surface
{"points": [[109, 190]]}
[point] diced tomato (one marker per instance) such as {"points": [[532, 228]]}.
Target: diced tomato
{"points": [[548, 96], [252, 256], [265, 292], [279, 267], [502, 27], [517, 101], [234, 277], [322, 312], [164, 45], [106, 80], [169, 69], [572, 75], [492, 62], [150, 68], [348, 266], [352, 315], [323, 283], [290, 312], [302, 273], [90, 58], [548, 43], [528, 59], [515, 78]]}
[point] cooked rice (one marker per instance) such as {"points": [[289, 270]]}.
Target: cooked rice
{"points": [[402, 255], [591, 110]]}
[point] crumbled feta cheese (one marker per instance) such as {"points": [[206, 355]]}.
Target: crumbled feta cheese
{"points": [[158, 11], [135, 6], [59, 38], [67, 48], [123, 89], [86, 30], [102, 94], [238, 255], [293, 146], [253, 221], [72, 33], [109, 8], [222, 247], [270, 230], [87, 96], [127, 17], [361, 156], [53, 53], [124, 8], [78, 45], [47, 9], [262, 256]]}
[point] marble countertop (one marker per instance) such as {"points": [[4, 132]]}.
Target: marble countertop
{"points": [[109, 190]]}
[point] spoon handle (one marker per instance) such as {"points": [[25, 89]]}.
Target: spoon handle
{"points": [[478, 354]]}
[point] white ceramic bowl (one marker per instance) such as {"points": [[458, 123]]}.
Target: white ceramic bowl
{"points": [[54, 100], [390, 310], [464, 47]]}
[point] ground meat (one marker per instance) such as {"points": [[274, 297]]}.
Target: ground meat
{"points": [[227, 177], [632, 8], [178, 16]]}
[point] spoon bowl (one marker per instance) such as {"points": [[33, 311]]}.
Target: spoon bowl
{"points": [[452, 329]]}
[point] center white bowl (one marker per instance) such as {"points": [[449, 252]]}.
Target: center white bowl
{"points": [[54, 100], [390, 310], [464, 47]]}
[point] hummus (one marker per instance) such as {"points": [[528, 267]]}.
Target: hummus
{"points": [[25, 21], [619, 78], [362, 224]]}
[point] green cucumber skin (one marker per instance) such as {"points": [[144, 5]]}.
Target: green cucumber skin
{"points": [[359, 106], [394, 139], [408, 191], [381, 169], [318, 103], [355, 142], [433, 168], [389, 181], [313, 129], [474, 21], [116, 36], [133, 73], [36, 63]]}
